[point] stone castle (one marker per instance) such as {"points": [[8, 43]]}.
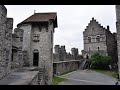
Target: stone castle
{"points": [[31, 45], [38, 40], [99, 39]]}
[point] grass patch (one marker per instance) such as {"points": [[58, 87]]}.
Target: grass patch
{"points": [[56, 80], [110, 73]]}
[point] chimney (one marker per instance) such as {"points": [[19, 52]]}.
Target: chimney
{"points": [[108, 28]]}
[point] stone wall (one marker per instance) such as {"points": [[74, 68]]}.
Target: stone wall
{"points": [[8, 43], [99, 39], [93, 30], [74, 53], [38, 79], [3, 13], [111, 46], [38, 36], [61, 54], [6, 26], [19, 33], [62, 67], [118, 34], [27, 41], [44, 47]]}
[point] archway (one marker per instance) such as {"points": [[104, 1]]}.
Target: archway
{"points": [[35, 57]]}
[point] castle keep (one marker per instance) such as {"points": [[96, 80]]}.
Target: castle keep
{"points": [[38, 41], [99, 39], [27, 52]]}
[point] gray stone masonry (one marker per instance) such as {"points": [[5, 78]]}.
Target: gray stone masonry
{"points": [[99, 39], [6, 26], [38, 42], [61, 54], [118, 34]]}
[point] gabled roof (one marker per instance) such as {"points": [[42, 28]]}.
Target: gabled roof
{"points": [[94, 20], [41, 17]]}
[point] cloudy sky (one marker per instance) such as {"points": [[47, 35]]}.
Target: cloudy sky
{"points": [[72, 20]]}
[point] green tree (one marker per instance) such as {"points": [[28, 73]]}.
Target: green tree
{"points": [[100, 62]]}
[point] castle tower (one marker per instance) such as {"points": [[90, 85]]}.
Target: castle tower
{"points": [[57, 49], [38, 41], [118, 34], [6, 26], [74, 53], [63, 50]]}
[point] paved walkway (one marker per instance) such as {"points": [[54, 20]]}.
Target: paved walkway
{"points": [[20, 76], [87, 77]]}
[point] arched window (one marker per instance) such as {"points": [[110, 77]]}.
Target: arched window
{"points": [[36, 51], [35, 57], [89, 39], [98, 39]]}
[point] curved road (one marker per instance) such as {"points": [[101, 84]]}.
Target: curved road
{"points": [[87, 77]]}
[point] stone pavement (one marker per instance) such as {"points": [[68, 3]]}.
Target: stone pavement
{"points": [[87, 77], [20, 76]]}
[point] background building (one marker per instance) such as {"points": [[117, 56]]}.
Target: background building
{"points": [[99, 39]]}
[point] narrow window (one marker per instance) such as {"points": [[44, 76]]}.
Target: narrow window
{"points": [[98, 39], [40, 28], [51, 37], [89, 49], [51, 53], [89, 39], [98, 48]]}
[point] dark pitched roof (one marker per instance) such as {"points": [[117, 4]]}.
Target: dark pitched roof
{"points": [[41, 17]]}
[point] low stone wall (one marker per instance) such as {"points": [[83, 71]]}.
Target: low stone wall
{"points": [[62, 67], [39, 78]]}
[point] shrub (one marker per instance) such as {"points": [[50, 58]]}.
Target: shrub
{"points": [[100, 62]]}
